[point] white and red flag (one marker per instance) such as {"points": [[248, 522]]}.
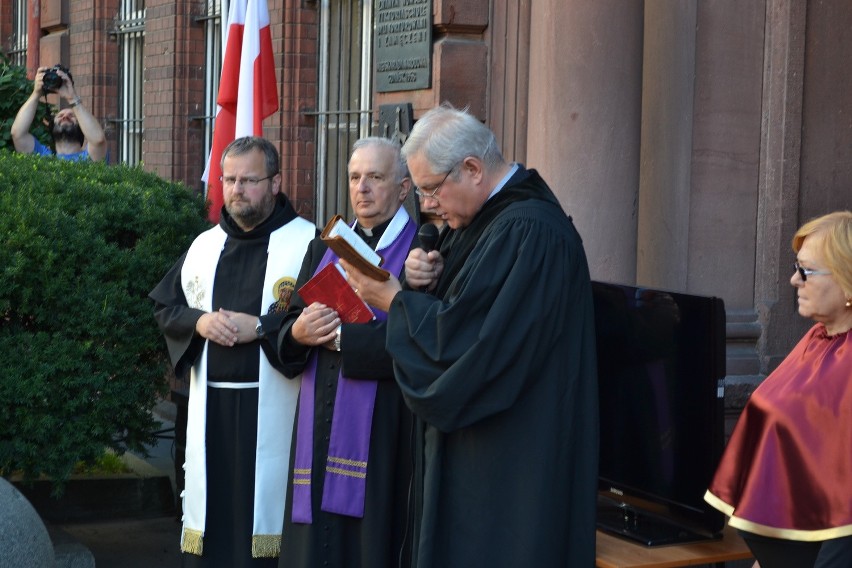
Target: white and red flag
{"points": [[248, 91]]}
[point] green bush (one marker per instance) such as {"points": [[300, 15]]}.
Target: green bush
{"points": [[15, 89], [81, 245]]}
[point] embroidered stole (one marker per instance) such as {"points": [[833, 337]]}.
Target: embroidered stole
{"points": [[277, 395], [345, 481]]}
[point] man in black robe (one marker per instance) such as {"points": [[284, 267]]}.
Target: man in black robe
{"points": [[220, 308], [497, 361], [356, 519]]}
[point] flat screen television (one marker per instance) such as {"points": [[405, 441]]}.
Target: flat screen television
{"points": [[661, 363]]}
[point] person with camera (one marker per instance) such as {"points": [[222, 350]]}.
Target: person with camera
{"points": [[77, 135]]}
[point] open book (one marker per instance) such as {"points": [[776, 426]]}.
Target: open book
{"points": [[349, 246]]}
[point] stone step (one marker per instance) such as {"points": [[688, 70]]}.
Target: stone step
{"points": [[145, 492]]}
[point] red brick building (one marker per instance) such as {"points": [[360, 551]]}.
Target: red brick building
{"points": [[148, 69]]}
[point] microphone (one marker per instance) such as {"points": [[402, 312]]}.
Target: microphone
{"points": [[428, 235]]}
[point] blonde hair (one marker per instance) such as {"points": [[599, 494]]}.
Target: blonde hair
{"points": [[836, 232]]}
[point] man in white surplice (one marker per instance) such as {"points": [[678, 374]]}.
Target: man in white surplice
{"points": [[220, 308]]}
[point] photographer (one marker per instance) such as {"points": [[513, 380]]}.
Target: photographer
{"points": [[77, 135]]}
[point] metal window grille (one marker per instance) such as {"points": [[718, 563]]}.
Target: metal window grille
{"points": [[343, 110], [17, 47], [130, 32], [213, 49]]}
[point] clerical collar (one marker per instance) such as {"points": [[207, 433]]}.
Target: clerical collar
{"points": [[374, 233], [504, 181]]}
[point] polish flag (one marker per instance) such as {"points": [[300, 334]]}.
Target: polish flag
{"points": [[248, 91]]}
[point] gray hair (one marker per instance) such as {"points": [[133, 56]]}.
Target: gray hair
{"points": [[445, 136], [391, 145], [246, 144]]}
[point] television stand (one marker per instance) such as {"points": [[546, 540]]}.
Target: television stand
{"points": [[624, 521]]}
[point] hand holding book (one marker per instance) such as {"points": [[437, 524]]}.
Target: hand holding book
{"points": [[329, 287]]}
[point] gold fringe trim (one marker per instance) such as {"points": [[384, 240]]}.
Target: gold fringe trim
{"points": [[266, 546], [192, 542]]}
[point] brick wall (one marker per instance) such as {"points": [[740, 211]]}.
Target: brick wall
{"points": [[173, 93], [77, 34], [294, 37], [6, 26]]}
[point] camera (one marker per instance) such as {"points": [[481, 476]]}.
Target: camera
{"points": [[52, 81]]}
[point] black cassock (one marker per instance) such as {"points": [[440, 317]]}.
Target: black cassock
{"points": [[377, 540], [231, 434], [499, 368]]}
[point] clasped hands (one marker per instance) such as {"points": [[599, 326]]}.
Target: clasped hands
{"points": [[227, 328]]}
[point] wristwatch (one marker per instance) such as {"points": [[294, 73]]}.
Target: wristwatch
{"points": [[337, 339], [258, 329]]}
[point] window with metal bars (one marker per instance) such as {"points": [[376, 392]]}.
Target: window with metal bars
{"points": [[343, 112], [130, 32], [17, 43], [213, 50]]}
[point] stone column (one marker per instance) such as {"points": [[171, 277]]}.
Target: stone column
{"points": [[585, 93], [667, 119], [780, 183]]}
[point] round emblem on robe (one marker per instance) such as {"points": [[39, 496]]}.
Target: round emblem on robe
{"points": [[283, 291]]}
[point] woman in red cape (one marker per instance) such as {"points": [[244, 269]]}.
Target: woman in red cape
{"points": [[785, 478]]}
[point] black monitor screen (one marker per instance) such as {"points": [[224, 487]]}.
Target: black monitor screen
{"points": [[660, 363]]}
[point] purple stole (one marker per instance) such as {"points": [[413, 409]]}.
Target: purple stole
{"points": [[345, 483]]}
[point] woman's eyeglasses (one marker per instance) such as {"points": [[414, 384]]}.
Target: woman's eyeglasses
{"points": [[805, 272]]}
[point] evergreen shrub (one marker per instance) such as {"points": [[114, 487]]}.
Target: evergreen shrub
{"points": [[15, 89], [81, 245]]}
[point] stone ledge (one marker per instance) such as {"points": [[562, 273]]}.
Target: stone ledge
{"points": [[144, 493]]}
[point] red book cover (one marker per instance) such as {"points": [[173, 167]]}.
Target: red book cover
{"points": [[330, 288]]}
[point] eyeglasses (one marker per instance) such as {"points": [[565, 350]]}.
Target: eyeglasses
{"points": [[805, 272], [245, 182], [434, 193]]}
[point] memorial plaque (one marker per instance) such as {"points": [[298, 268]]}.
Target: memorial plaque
{"points": [[402, 43]]}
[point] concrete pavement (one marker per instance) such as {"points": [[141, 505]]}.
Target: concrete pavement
{"points": [[131, 543]]}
